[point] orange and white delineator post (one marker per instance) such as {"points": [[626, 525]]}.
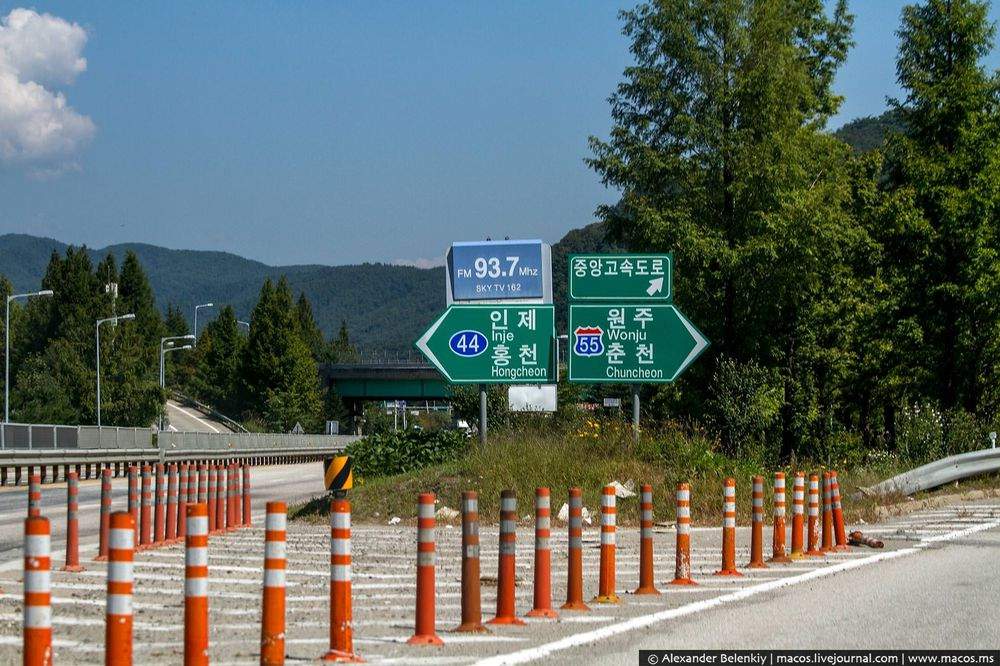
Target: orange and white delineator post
{"points": [[231, 497], [118, 615], [170, 532], [682, 568], [757, 525], [196, 587], [812, 531], [133, 498], [472, 613], [202, 496], [341, 618], [574, 565], [37, 623], [247, 518], [102, 547], [221, 499], [646, 584], [72, 523], [146, 510], [827, 514], [424, 630], [34, 495], [183, 492], [798, 511], [542, 606], [213, 487], [778, 541], [160, 512], [839, 532], [506, 565], [728, 529], [606, 581], [272, 623]]}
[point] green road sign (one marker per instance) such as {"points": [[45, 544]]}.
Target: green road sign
{"points": [[632, 343], [621, 277], [492, 344]]}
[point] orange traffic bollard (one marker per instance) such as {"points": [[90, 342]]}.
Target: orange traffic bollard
{"points": [[72, 523], [574, 566], [424, 630], [133, 499], [247, 518], [102, 548], [506, 566], [778, 541], [542, 606], [170, 531], [213, 487], [798, 509], [118, 619], [146, 510], [196, 587], [646, 583], [827, 515], [184, 491], [37, 623], [682, 569], [202, 497], [472, 614], [728, 529], [606, 580], [231, 497], [757, 525], [341, 627], [813, 527], [839, 531], [272, 623], [35, 495], [221, 491], [160, 512]]}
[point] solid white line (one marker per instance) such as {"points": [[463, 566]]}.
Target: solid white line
{"points": [[190, 415], [575, 640]]}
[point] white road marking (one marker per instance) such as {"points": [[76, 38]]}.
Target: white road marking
{"points": [[632, 624], [190, 415]]}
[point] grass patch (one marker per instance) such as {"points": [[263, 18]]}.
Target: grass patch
{"points": [[524, 461]]}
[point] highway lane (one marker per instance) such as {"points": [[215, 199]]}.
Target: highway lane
{"points": [[189, 419], [290, 483]]}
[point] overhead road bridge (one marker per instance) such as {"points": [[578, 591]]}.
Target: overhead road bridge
{"points": [[401, 380]]}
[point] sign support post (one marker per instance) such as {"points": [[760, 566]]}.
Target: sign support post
{"points": [[482, 414], [635, 413]]}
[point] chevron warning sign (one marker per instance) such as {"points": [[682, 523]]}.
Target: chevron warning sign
{"points": [[338, 473]]}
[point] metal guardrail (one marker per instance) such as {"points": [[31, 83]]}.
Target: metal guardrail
{"points": [[251, 442], [939, 472], [37, 436]]}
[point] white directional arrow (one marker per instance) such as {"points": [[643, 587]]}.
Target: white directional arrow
{"points": [[655, 286], [700, 342]]}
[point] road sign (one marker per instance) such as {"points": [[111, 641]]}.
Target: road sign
{"points": [[491, 271], [338, 473], [492, 344], [632, 343], [621, 277]]}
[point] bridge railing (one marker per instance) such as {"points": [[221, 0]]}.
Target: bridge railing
{"points": [[41, 436]]}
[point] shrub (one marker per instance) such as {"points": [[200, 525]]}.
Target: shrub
{"points": [[390, 453]]}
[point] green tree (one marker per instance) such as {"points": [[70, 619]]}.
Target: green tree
{"points": [[944, 194], [718, 151], [175, 322], [308, 329], [217, 362]]}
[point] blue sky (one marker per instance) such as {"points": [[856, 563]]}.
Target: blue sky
{"points": [[342, 132]]}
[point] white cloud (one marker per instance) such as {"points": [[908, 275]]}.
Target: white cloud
{"points": [[38, 128], [419, 262]]}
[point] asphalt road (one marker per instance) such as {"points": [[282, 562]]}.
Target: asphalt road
{"points": [[291, 483], [189, 419]]}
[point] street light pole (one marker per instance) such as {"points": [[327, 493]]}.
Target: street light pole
{"points": [[167, 345], [6, 356], [97, 328], [196, 308], [240, 322]]}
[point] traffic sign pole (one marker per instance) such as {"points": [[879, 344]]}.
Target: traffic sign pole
{"points": [[482, 414], [635, 412]]}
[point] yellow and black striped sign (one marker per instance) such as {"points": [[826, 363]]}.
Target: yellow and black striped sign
{"points": [[338, 473]]}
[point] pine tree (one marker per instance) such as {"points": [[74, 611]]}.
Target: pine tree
{"points": [[308, 329], [945, 200]]}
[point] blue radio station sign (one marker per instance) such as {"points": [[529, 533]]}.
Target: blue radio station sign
{"points": [[499, 270]]}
